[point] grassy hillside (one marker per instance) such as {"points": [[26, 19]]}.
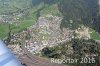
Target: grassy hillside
{"points": [[29, 19], [81, 12], [3, 30], [51, 9], [13, 5], [95, 35]]}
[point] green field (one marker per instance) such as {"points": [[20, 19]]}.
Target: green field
{"points": [[95, 35], [3, 30], [14, 29], [28, 20], [7, 6], [51, 10]]}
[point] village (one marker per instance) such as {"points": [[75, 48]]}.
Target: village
{"points": [[45, 33]]}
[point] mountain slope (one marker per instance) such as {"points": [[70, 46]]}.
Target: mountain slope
{"points": [[80, 10], [13, 5]]}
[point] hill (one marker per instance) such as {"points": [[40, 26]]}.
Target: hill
{"points": [[80, 12], [13, 5]]}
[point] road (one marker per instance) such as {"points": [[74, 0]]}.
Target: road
{"points": [[31, 60]]}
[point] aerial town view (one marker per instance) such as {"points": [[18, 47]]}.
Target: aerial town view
{"points": [[49, 32]]}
